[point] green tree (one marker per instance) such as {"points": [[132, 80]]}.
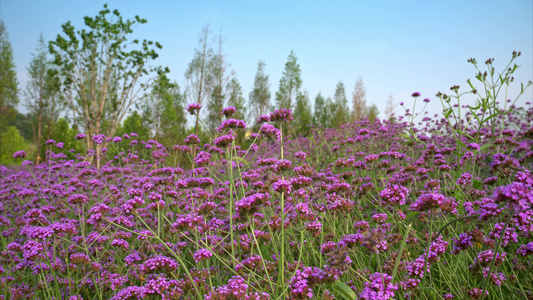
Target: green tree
{"points": [[12, 142], [320, 112], [219, 93], [359, 100], [260, 95], [8, 83], [42, 92], [199, 83], [289, 84], [332, 109], [390, 111], [156, 101], [342, 111], [134, 123], [236, 99], [303, 117], [103, 69], [173, 119], [372, 113], [63, 132]]}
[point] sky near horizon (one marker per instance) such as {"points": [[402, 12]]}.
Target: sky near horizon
{"points": [[396, 47]]}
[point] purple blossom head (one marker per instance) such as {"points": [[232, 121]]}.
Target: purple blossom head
{"points": [[194, 108], [80, 136], [202, 254], [228, 111], [473, 146], [380, 218], [20, 154], [380, 287], [415, 94], [281, 115], [394, 195], [99, 138], [231, 124], [263, 119], [192, 140]]}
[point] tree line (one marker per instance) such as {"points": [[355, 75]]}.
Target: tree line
{"points": [[99, 82]]}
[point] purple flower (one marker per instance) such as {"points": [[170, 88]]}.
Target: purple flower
{"points": [[78, 199], [281, 115], [202, 254], [224, 141], [282, 186], [228, 111], [192, 139], [99, 138], [20, 154], [159, 264], [380, 218], [394, 195], [380, 287], [526, 249], [193, 108], [80, 136], [231, 124], [474, 146], [415, 94], [263, 119]]}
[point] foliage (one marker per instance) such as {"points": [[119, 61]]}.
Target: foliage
{"points": [[303, 117], [102, 68], [339, 110], [321, 113], [8, 84], [260, 95], [42, 93], [12, 142], [359, 100], [289, 84], [199, 81]]}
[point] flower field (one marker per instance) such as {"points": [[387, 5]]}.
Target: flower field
{"points": [[376, 210]]}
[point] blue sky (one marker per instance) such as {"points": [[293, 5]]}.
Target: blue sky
{"points": [[397, 47]]}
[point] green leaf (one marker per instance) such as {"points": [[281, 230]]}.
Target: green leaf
{"points": [[477, 184], [344, 290], [412, 215], [399, 257], [485, 146]]}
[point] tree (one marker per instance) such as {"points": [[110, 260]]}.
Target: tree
{"points": [[219, 93], [103, 69], [320, 113], [154, 102], [359, 100], [236, 99], [390, 108], [42, 93], [12, 142], [302, 114], [8, 83], [134, 123], [340, 102], [289, 84], [372, 113], [332, 110], [197, 73], [173, 119], [260, 94]]}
